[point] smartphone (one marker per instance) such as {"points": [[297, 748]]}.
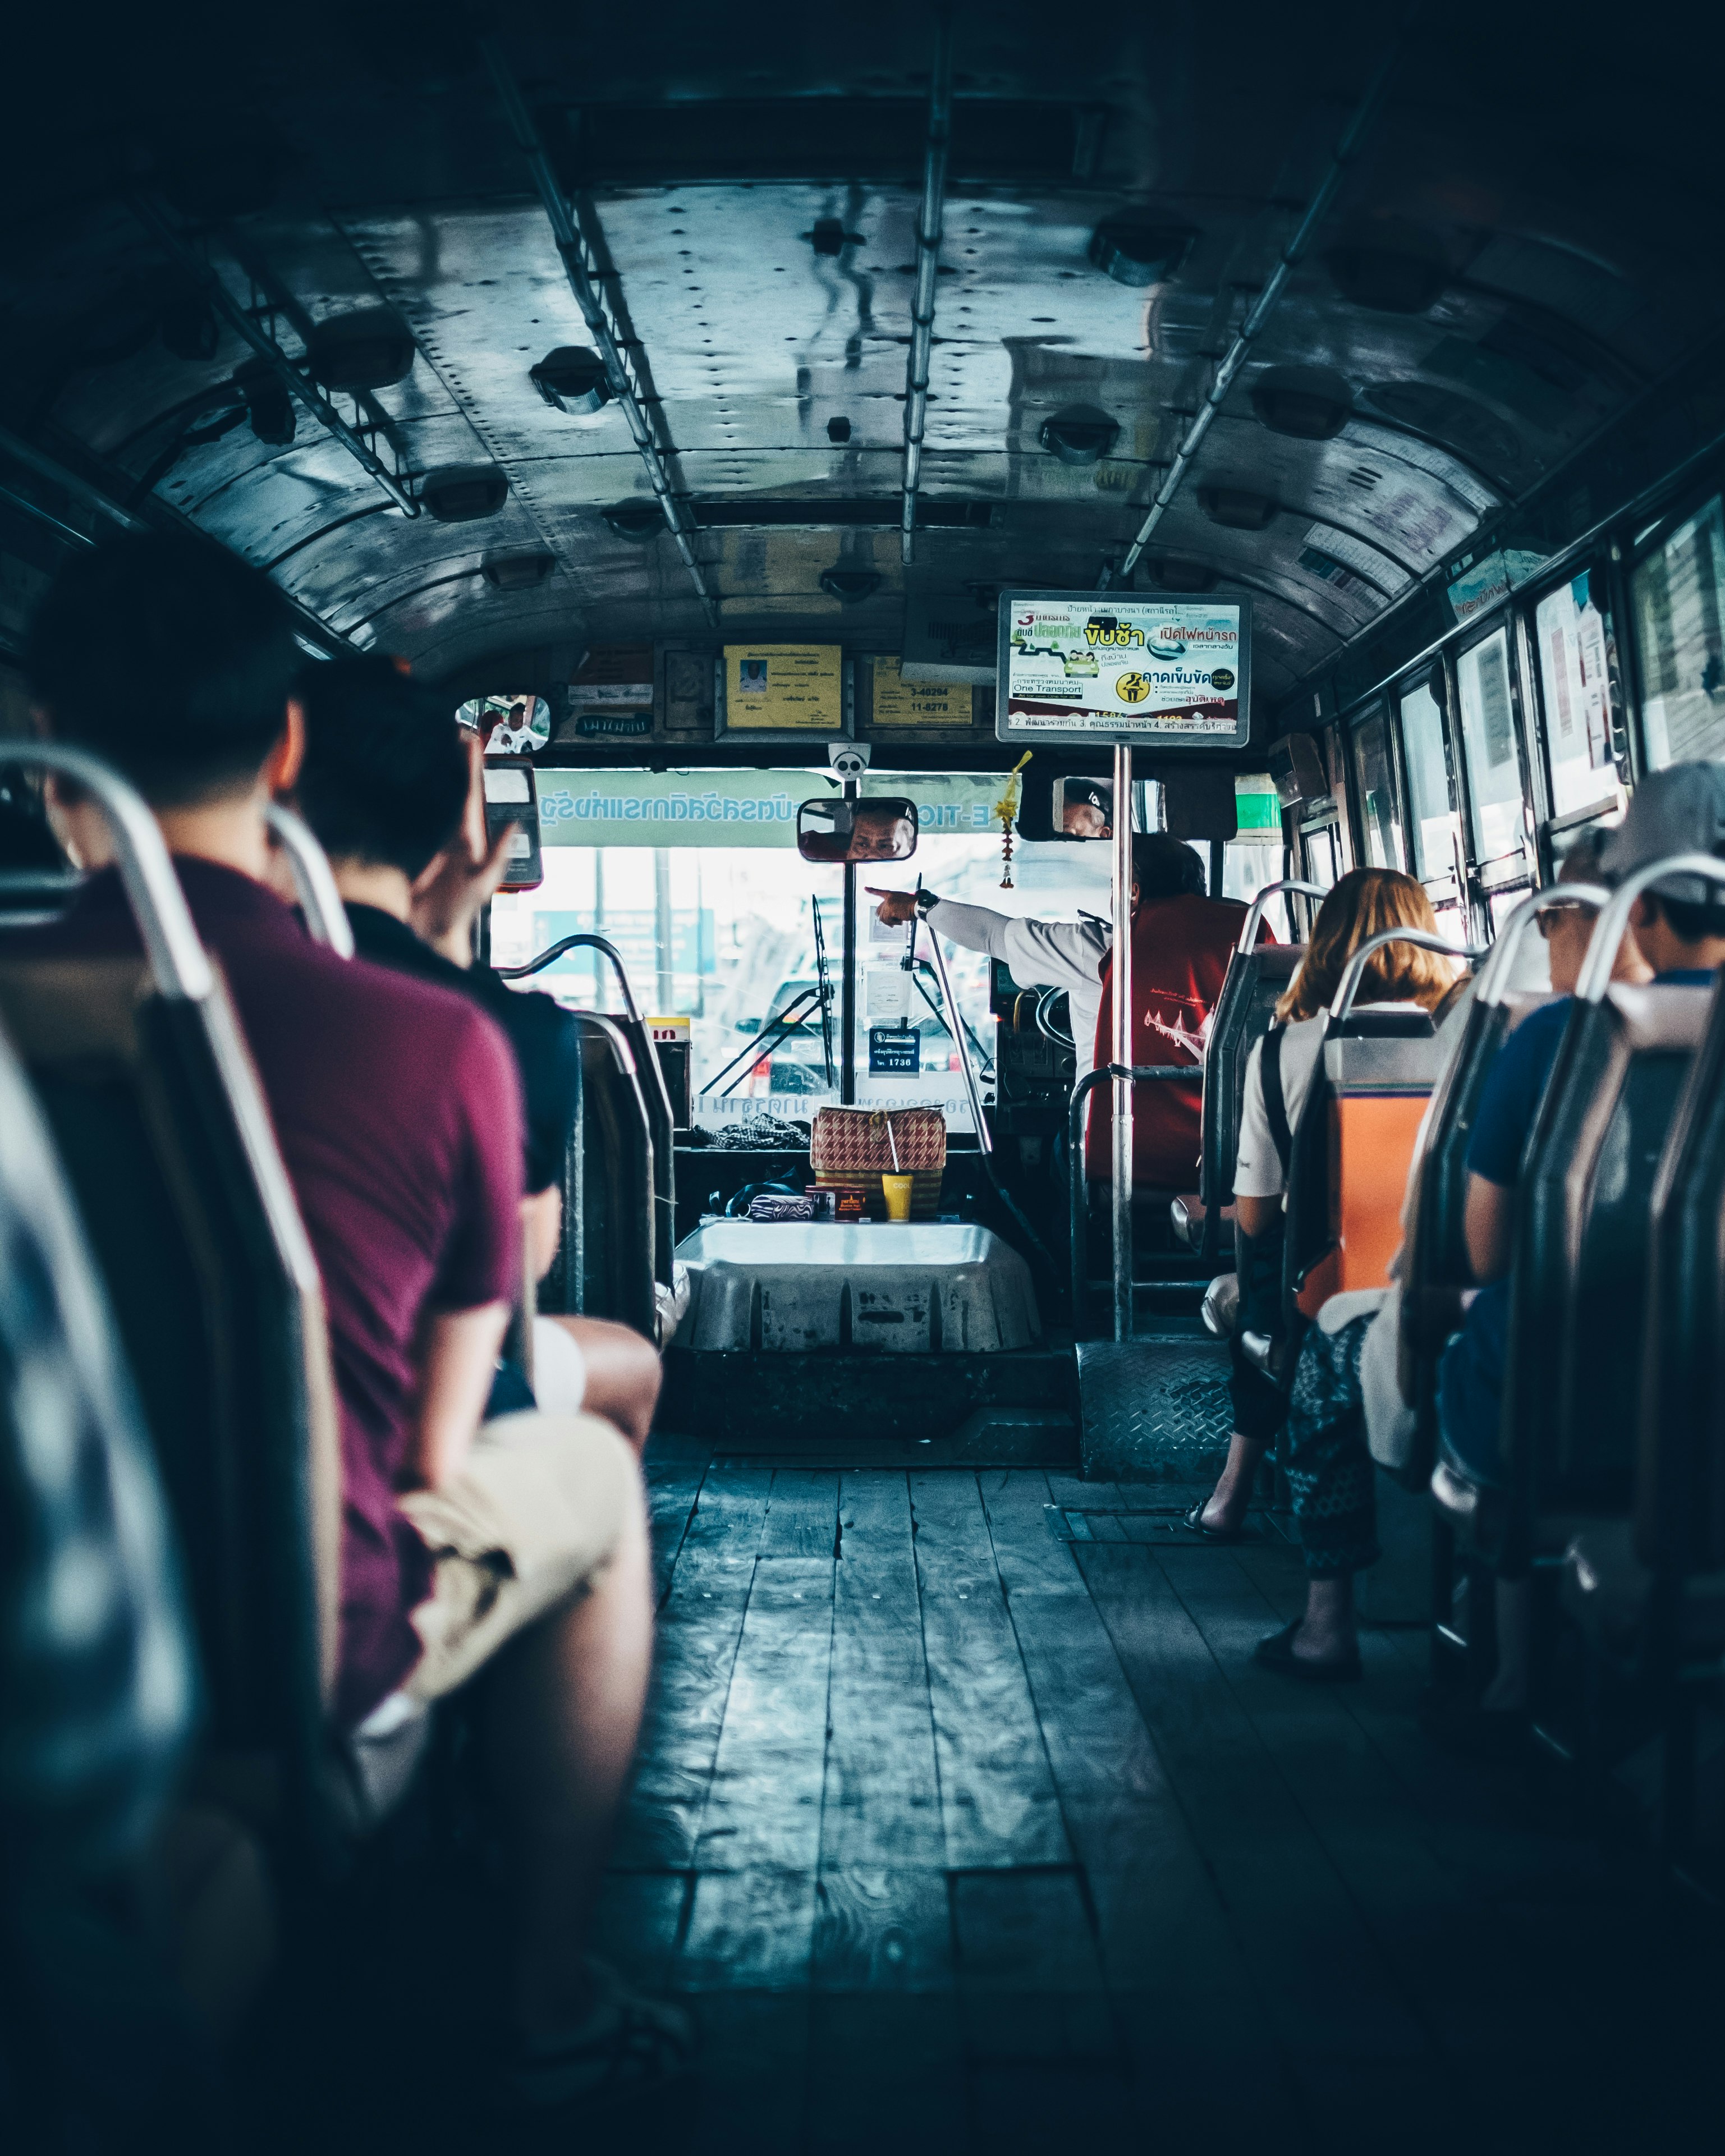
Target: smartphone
{"points": [[512, 797]]}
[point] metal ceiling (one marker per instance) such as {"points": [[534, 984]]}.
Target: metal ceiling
{"points": [[1486, 289]]}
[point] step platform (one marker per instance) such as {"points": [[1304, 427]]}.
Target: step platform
{"points": [[1154, 1409]]}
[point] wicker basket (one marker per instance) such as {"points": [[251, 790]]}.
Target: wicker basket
{"points": [[852, 1146]]}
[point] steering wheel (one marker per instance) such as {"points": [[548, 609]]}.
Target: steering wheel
{"points": [[1046, 1024]]}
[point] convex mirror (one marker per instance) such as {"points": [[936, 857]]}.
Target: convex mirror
{"points": [[837, 831]]}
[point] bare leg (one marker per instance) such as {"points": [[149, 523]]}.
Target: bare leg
{"points": [[1226, 1509], [562, 1714], [1326, 1631], [624, 1374]]}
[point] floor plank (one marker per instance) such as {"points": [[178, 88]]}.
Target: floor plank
{"points": [[881, 1930], [699, 1627], [881, 1804], [997, 1796], [763, 1806]]}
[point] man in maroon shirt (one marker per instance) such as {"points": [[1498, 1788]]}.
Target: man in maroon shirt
{"points": [[396, 1104]]}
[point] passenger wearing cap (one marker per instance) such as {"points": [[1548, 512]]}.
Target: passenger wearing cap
{"points": [[1678, 939]]}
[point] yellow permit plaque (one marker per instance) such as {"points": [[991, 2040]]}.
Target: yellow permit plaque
{"points": [[784, 688], [901, 703]]}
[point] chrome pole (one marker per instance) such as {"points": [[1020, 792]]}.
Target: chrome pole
{"points": [[1122, 991]]}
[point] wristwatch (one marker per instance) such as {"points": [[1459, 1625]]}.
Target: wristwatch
{"points": [[927, 901]]}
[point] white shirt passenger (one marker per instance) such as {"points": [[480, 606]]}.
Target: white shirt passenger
{"points": [[1039, 954], [1257, 1170]]}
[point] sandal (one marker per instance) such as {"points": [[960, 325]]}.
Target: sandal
{"points": [[1277, 1653], [627, 2041], [1194, 1520]]}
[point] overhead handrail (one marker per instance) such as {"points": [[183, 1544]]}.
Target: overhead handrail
{"points": [[178, 963], [1609, 929], [1355, 970], [1500, 961], [1256, 911], [1138, 1073], [320, 901]]}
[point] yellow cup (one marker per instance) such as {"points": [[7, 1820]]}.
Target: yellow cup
{"points": [[896, 1191]]}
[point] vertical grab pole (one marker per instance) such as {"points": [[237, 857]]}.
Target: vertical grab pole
{"points": [[1122, 1043], [847, 984]]}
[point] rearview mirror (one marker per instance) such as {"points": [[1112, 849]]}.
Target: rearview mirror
{"points": [[1084, 808], [838, 831]]}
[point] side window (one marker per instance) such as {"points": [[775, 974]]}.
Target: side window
{"points": [[1570, 634], [1381, 832], [1494, 770], [1678, 593], [1434, 825]]}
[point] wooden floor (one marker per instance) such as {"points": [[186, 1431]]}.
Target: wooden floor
{"points": [[962, 1836]]}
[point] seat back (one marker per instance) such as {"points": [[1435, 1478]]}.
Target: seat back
{"points": [[1578, 1290], [1244, 1013], [606, 1266], [142, 1076], [1348, 1171], [1680, 1448]]}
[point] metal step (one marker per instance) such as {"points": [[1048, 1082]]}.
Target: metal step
{"points": [[1155, 1409]]}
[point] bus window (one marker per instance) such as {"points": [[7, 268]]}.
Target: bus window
{"points": [[1435, 826], [1679, 595], [1382, 827], [1494, 770], [1575, 692]]}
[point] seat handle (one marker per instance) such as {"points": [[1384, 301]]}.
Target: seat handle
{"points": [[1612, 923], [1495, 973], [320, 901], [178, 965], [1355, 970], [1256, 911]]}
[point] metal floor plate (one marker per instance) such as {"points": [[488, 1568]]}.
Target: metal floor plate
{"points": [[1155, 1409]]}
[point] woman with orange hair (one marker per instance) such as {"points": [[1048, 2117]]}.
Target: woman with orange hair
{"points": [[1278, 1076]]}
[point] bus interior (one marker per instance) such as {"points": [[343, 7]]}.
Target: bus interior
{"points": [[971, 1809]]}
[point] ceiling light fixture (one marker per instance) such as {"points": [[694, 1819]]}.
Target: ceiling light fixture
{"points": [[848, 586], [517, 573], [1308, 404], [1134, 253], [372, 349], [571, 379], [464, 493], [1235, 508], [1081, 435], [636, 521], [268, 404]]}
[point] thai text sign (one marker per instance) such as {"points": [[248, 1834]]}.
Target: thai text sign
{"points": [[1098, 669]]}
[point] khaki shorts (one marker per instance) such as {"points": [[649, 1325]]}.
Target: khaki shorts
{"points": [[535, 1515]]}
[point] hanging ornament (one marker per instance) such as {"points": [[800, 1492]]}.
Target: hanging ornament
{"points": [[1007, 809]]}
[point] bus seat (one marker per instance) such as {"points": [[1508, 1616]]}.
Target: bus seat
{"points": [[1578, 1289], [147, 1083], [1348, 1172], [1675, 1539], [1256, 979], [606, 1263]]}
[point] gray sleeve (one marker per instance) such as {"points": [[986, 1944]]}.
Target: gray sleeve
{"points": [[971, 927]]}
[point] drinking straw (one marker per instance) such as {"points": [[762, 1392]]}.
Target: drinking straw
{"points": [[893, 1143]]}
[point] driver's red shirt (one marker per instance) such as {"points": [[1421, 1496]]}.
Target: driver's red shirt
{"points": [[1181, 947]]}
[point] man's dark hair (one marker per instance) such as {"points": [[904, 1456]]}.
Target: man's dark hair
{"points": [[386, 775], [1689, 919], [1165, 867], [171, 658]]}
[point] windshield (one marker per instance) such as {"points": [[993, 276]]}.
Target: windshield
{"points": [[695, 879]]}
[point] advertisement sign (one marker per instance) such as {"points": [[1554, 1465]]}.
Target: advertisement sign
{"points": [[899, 702], [949, 639], [783, 689], [1098, 670]]}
